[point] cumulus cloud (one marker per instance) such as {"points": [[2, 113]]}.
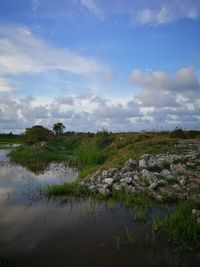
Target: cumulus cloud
{"points": [[161, 89], [94, 112], [93, 8], [72, 111], [167, 99], [22, 53], [163, 12]]}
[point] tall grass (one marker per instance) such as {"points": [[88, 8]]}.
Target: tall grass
{"points": [[180, 225], [130, 237], [90, 155], [93, 151], [27, 154], [131, 199], [69, 189]]}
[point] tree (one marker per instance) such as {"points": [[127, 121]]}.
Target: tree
{"points": [[35, 134], [58, 128]]}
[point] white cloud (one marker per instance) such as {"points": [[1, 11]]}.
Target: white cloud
{"points": [[93, 8], [22, 53], [92, 112], [161, 89], [5, 85], [163, 12]]}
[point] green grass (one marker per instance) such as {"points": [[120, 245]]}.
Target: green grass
{"points": [[139, 213], [69, 189], [131, 199], [130, 237], [180, 225], [27, 154], [89, 154]]}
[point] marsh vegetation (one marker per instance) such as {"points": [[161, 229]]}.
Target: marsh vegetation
{"points": [[90, 153]]}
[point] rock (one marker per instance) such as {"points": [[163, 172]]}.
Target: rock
{"points": [[148, 176], [176, 183], [156, 184], [116, 177], [117, 187], [176, 187], [166, 174], [130, 189], [145, 157], [127, 180], [143, 163], [178, 168], [108, 181], [183, 181], [92, 187], [131, 164], [194, 212], [104, 191], [136, 178], [104, 173]]}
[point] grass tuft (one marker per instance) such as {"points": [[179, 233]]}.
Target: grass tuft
{"points": [[180, 225]]}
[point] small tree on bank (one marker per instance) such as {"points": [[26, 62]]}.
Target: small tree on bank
{"points": [[58, 128], [35, 134]]}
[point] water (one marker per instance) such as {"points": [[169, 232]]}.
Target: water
{"points": [[9, 145], [37, 232]]}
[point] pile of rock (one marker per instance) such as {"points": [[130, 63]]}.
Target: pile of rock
{"points": [[158, 175]]}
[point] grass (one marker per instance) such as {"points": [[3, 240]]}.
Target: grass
{"points": [[70, 189], [139, 213], [180, 225], [89, 154], [117, 241], [28, 154], [130, 237], [131, 199]]}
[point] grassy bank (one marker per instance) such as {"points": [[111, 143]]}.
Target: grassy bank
{"points": [[91, 151]]}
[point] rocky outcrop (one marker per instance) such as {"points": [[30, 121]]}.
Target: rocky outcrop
{"points": [[165, 175]]}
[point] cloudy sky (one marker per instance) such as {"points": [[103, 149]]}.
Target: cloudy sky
{"points": [[123, 65]]}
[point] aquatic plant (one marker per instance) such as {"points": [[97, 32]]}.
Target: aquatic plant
{"points": [[117, 241], [130, 237], [179, 225], [139, 213]]}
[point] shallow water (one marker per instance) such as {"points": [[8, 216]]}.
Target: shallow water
{"points": [[37, 232]]}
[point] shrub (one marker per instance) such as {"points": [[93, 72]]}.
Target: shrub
{"points": [[178, 133], [89, 154], [103, 138], [35, 134]]}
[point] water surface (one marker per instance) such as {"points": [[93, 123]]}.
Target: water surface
{"points": [[37, 232]]}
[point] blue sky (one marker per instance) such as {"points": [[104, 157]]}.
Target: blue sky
{"points": [[92, 64]]}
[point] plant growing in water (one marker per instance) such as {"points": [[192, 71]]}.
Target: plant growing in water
{"points": [[130, 237]]}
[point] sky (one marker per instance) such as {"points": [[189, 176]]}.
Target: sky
{"points": [[121, 65]]}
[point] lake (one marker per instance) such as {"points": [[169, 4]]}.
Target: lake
{"points": [[38, 232]]}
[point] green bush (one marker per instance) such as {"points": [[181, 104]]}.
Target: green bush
{"points": [[89, 154], [178, 133], [35, 134], [103, 138]]}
